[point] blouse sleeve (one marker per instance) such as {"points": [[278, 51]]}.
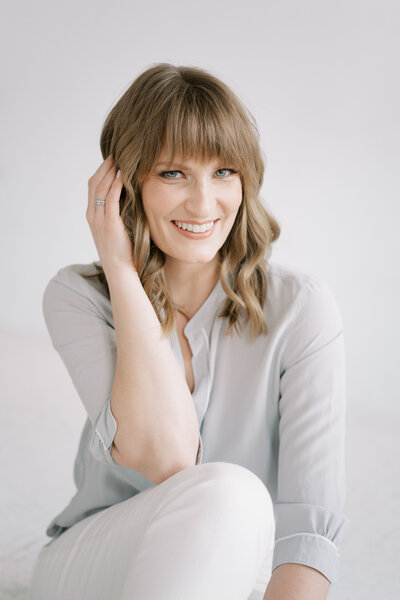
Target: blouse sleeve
{"points": [[85, 339], [311, 461], [86, 343]]}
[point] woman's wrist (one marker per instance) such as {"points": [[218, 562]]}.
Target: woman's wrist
{"points": [[115, 274]]}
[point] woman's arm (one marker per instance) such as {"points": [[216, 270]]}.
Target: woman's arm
{"points": [[157, 426], [296, 582], [311, 460]]}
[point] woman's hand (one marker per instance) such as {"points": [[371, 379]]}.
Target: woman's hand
{"points": [[108, 230]]}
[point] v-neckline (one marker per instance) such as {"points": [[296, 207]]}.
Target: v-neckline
{"points": [[205, 312], [187, 356]]}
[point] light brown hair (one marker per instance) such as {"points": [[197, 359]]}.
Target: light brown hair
{"points": [[190, 112]]}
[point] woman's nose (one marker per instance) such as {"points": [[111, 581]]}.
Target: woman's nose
{"points": [[200, 200]]}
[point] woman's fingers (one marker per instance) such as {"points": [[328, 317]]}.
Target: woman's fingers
{"points": [[99, 185], [102, 170], [108, 230], [112, 201], [104, 185]]}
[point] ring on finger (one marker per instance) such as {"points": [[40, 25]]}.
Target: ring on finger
{"points": [[100, 202]]}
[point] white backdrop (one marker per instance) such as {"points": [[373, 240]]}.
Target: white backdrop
{"points": [[322, 80]]}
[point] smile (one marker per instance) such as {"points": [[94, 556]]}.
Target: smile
{"points": [[196, 227], [195, 231]]}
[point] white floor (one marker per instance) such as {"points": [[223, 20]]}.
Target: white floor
{"points": [[40, 427]]}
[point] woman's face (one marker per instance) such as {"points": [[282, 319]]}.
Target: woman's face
{"points": [[191, 193]]}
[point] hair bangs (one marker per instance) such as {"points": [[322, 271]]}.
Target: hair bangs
{"points": [[197, 128]]}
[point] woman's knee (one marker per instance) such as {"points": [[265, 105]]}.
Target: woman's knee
{"points": [[231, 476], [216, 496], [234, 487]]}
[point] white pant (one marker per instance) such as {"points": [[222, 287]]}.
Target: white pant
{"points": [[206, 533]]}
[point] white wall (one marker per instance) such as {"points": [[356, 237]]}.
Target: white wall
{"points": [[321, 79]]}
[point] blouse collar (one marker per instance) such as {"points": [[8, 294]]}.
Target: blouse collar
{"points": [[206, 314]]}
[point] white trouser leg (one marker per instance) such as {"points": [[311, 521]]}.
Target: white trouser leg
{"points": [[203, 534]]}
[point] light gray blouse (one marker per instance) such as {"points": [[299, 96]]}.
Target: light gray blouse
{"points": [[275, 405]]}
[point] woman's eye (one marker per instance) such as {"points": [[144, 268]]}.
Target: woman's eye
{"points": [[230, 170], [164, 173], [172, 174]]}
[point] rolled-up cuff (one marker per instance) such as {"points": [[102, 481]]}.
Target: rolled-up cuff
{"points": [[310, 550], [310, 535]]}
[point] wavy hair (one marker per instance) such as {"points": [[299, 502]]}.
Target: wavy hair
{"points": [[188, 111]]}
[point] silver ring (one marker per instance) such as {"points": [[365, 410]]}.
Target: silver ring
{"points": [[100, 202]]}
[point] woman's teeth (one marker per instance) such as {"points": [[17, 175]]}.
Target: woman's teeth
{"points": [[195, 228]]}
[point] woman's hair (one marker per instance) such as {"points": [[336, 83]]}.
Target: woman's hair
{"points": [[187, 111]]}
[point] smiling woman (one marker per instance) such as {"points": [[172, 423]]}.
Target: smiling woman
{"points": [[189, 152], [199, 203], [194, 434]]}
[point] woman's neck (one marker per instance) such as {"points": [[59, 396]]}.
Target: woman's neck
{"points": [[190, 285]]}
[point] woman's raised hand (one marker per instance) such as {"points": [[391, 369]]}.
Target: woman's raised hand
{"points": [[108, 230]]}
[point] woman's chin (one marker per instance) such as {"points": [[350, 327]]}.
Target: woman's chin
{"points": [[191, 258]]}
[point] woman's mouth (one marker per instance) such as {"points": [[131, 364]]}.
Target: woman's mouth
{"points": [[195, 231]]}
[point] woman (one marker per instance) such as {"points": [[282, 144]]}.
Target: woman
{"points": [[211, 464]]}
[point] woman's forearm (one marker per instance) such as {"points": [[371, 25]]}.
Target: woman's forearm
{"points": [[292, 581], [157, 426]]}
